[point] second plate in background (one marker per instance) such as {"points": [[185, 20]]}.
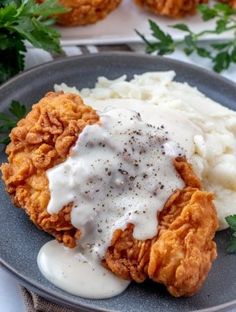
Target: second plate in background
{"points": [[119, 27]]}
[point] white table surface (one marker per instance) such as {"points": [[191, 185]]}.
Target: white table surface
{"points": [[10, 296]]}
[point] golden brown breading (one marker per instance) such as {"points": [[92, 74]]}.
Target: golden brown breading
{"points": [[84, 12], [184, 251], [181, 253], [171, 8], [128, 257], [39, 142]]}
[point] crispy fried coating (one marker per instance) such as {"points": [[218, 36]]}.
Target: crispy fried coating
{"points": [[128, 257], [171, 8], [181, 254], [84, 12], [184, 251], [40, 141]]}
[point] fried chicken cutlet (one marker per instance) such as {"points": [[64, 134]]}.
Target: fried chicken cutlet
{"points": [[84, 12], [181, 254], [171, 8]]}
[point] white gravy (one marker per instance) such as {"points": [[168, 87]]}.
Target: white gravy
{"points": [[119, 172], [174, 121], [77, 273]]}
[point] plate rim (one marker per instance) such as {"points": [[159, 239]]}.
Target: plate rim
{"points": [[133, 54], [37, 287]]}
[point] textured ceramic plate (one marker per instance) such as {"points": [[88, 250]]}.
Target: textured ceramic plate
{"points": [[20, 240], [120, 25]]}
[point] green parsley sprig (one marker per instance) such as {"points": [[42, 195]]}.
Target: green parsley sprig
{"points": [[221, 54], [231, 220], [25, 20], [17, 111]]}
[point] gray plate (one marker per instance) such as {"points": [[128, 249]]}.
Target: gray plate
{"points": [[20, 240]]}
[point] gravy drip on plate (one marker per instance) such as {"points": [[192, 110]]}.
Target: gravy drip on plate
{"points": [[78, 273], [119, 172]]}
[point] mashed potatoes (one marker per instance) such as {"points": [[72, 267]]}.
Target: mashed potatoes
{"points": [[212, 127]]}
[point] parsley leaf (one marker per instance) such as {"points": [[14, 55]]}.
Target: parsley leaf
{"points": [[46, 9], [182, 27], [222, 55], [231, 220], [17, 111], [221, 61], [165, 43], [231, 248], [22, 20], [12, 50], [207, 12]]}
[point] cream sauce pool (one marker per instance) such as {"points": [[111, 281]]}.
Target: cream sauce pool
{"points": [[120, 171], [78, 273]]}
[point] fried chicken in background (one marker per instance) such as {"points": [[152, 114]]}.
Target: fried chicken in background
{"points": [[171, 8], [84, 12], [179, 256]]}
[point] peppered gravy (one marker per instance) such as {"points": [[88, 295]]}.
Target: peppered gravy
{"points": [[120, 171]]}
